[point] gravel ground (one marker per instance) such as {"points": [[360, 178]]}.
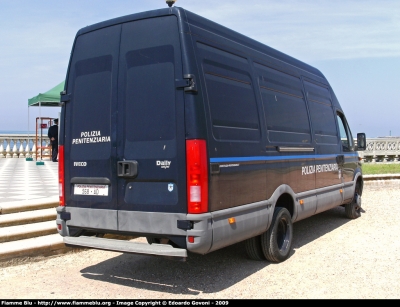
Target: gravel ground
{"points": [[332, 258]]}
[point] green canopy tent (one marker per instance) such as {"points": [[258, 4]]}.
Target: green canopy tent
{"points": [[51, 98]]}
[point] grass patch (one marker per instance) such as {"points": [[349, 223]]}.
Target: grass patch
{"points": [[373, 169]]}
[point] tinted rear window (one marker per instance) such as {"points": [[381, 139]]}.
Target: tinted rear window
{"points": [[150, 51], [150, 96]]}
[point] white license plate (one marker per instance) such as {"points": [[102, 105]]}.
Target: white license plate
{"points": [[91, 189]]}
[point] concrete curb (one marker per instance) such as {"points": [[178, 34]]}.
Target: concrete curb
{"points": [[33, 230], [27, 205], [381, 177], [28, 217], [32, 247]]}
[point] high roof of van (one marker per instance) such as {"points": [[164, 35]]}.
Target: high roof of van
{"points": [[192, 19]]}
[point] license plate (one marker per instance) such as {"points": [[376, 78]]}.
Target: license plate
{"points": [[91, 189]]}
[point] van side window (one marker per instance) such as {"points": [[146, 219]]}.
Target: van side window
{"points": [[345, 134], [232, 103], [321, 112], [284, 106]]}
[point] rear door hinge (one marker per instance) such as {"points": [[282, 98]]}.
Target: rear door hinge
{"points": [[65, 97], [188, 83]]}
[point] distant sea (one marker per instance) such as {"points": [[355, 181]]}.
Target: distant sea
{"points": [[18, 132]]}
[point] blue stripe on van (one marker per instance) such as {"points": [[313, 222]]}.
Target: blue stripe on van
{"points": [[275, 158]]}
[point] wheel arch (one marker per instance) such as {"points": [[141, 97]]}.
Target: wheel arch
{"points": [[284, 197], [358, 179]]}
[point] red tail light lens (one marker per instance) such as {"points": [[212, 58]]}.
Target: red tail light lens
{"points": [[61, 185], [197, 176]]}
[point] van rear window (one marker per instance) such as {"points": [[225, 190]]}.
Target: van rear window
{"points": [[91, 120], [149, 64], [151, 90]]}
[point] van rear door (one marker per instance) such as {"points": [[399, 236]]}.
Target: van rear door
{"points": [[151, 133], [125, 123], [90, 129]]}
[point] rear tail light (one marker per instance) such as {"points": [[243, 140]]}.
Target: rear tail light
{"points": [[61, 183], [197, 176]]}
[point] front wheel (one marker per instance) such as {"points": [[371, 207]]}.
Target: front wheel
{"points": [[353, 209], [276, 242]]}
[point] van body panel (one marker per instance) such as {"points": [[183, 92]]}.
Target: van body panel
{"points": [[141, 85], [248, 223], [308, 208], [92, 218], [329, 197], [151, 223]]}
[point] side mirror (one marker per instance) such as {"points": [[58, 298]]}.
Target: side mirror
{"points": [[361, 141]]}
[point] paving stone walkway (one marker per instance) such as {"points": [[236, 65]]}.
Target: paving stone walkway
{"points": [[22, 180]]}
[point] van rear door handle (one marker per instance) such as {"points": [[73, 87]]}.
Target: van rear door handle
{"points": [[127, 169]]}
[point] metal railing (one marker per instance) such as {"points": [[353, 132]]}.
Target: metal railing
{"points": [[385, 149], [23, 146]]}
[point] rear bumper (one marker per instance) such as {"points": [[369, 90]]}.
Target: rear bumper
{"points": [[141, 224], [210, 231], [127, 247]]}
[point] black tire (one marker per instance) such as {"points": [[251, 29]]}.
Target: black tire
{"points": [[253, 248], [353, 209], [74, 232], [277, 241], [152, 240]]}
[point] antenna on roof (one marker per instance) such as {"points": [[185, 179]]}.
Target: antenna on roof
{"points": [[170, 2]]}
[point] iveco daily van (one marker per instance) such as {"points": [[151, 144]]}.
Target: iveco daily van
{"points": [[182, 131]]}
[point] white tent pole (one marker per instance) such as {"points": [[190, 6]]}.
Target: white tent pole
{"points": [[40, 126]]}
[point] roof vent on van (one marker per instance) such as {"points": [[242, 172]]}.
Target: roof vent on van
{"points": [[170, 2]]}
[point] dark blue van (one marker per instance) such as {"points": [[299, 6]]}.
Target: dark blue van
{"points": [[180, 130]]}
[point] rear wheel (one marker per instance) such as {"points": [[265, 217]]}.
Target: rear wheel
{"points": [[276, 242], [253, 248]]}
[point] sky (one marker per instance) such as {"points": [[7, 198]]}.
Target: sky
{"points": [[354, 43]]}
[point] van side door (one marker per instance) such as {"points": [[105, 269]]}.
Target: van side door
{"points": [[349, 158], [327, 148]]}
